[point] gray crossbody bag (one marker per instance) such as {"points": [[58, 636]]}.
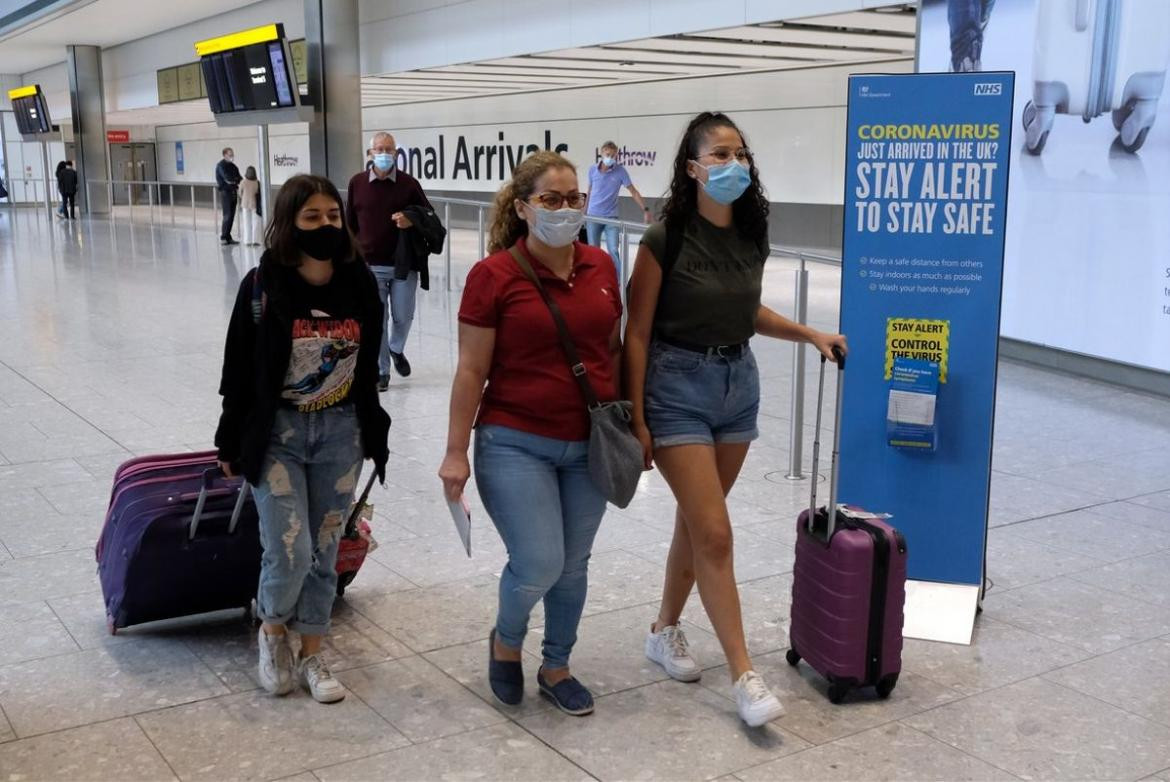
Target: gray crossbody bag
{"points": [[615, 455]]}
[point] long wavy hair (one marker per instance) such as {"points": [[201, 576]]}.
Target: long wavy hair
{"points": [[507, 226], [749, 211]]}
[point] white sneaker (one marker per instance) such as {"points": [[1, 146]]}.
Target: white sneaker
{"points": [[668, 647], [276, 663], [318, 680], [756, 703]]}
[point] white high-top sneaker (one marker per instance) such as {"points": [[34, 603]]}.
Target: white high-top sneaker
{"points": [[276, 663], [756, 703], [668, 647]]}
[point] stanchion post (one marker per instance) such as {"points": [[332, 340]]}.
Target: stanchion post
{"points": [[479, 221], [796, 413], [447, 250]]}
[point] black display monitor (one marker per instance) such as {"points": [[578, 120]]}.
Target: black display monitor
{"points": [[255, 75], [31, 110]]}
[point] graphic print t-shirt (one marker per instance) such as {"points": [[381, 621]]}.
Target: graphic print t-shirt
{"points": [[325, 341]]}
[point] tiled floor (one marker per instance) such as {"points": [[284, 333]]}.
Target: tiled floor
{"points": [[113, 349]]}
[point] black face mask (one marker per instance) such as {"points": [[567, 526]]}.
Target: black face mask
{"points": [[324, 243]]}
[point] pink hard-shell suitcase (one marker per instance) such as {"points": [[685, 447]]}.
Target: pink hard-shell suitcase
{"points": [[848, 585]]}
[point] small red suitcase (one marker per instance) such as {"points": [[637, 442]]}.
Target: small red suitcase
{"points": [[357, 542], [848, 585]]}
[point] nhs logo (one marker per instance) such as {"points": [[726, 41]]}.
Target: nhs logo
{"points": [[989, 88]]}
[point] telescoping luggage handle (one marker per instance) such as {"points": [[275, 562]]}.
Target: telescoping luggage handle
{"points": [[209, 477], [831, 520]]}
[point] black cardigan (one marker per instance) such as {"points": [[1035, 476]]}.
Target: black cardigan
{"points": [[256, 356]]}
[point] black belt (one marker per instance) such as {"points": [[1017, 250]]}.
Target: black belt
{"points": [[722, 351]]}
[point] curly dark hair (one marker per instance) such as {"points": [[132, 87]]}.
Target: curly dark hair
{"points": [[749, 211]]}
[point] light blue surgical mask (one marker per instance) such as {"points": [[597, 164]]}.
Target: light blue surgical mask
{"points": [[556, 227], [384, 161], [607, 161], [726, 182]]}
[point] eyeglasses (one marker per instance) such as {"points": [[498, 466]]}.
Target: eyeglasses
{"points": [[725, 154], [554, 200]]}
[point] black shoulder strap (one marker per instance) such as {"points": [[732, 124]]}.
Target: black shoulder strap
{"points": [[576, 366]]}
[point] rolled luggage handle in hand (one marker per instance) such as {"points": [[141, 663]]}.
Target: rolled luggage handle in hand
{"points": [[209, 478], [838, 356]]}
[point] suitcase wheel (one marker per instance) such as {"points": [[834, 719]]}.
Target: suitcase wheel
{"points": [[887, 685], [1037, 124], [792, 657], [1133, 122], [838, 691]]}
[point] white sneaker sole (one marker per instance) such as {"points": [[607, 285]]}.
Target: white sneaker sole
{"points": [[677, 675], [759, 720], [323, 698]]}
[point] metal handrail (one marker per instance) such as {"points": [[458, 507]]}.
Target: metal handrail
{"points": [[626, 227]]}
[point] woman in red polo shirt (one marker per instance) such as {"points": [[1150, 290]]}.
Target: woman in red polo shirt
{"points": [[532, 429]]}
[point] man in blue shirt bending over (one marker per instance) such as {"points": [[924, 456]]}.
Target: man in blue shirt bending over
{"points": [[606, 179]]}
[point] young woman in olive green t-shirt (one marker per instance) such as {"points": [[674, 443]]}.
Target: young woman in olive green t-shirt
{"points": [[695, 385]]}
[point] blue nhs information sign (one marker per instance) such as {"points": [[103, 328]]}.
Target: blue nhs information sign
{"points": [[926, 187]]}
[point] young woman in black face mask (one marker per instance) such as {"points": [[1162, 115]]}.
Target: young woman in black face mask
{"points": [[300, 411]]}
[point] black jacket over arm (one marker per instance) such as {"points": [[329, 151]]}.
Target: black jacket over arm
{"points": [[255, 361], [416, 244]]}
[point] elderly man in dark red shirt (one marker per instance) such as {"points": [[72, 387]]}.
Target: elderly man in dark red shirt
{"points": [[373, 209]]}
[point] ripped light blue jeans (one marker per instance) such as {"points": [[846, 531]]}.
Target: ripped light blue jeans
{"points": [[305, 492], [540, 497]]}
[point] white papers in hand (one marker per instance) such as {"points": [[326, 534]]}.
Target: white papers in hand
{"points": [[461, 515]]}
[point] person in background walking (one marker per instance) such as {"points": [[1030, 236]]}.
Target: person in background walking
{"points": [[227, 180], [607, 177], [67, 187], [374, 211], [250, 204]]}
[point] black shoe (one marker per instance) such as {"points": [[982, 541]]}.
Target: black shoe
{"points": [[383, 383], [570, 696], [506, 678], [401, 365]]}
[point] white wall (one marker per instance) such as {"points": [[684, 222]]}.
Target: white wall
{"points": [[24, 160], [203, 145], [54, 81], [794, 121], [129, 70], [408, 34]]}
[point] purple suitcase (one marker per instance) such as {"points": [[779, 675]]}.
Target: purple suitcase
{"points": [[179, 539], [848, 586]]}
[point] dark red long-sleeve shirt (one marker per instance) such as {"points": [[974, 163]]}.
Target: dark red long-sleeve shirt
{"points": [[369, 205]]}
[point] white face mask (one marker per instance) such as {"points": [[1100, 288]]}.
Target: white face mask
{"points": [[556, 227]]}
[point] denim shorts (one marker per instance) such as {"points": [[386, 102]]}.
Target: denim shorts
{"points": [[697, 399]]}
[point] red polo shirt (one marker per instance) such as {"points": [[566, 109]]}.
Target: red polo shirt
{"points": [[530, 387]]}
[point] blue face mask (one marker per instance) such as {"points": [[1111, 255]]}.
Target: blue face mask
{"points": [[607, 161], [384, 161], [726, 182]]}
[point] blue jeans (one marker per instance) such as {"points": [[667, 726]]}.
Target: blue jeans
{"points": [[398, 301], [540, 497], [594, 230], [967, 20], [309, 474]]}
